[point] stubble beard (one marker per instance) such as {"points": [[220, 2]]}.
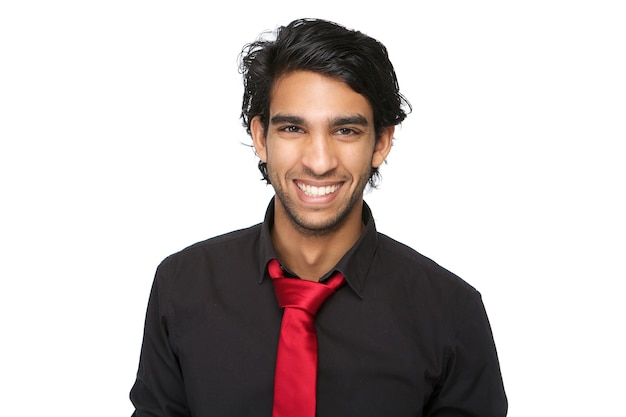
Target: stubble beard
{"points": [[313, 229]]}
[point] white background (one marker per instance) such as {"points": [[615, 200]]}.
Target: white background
{"points": [[121, 143]]}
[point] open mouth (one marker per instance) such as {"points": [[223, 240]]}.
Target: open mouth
{"points": [[314, 191]]}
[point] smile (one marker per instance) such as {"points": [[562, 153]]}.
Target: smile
{"points": [[313, 191]]}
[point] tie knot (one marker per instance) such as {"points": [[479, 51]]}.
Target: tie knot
{"points": [[301, 294]]}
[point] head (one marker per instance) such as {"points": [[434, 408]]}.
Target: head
{"points": [[329, 49]]}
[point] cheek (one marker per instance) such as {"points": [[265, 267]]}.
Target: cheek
{"points": [[359, 160], [280, 158], [286, 151]]}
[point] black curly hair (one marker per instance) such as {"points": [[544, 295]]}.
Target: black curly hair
{"points": [[327, 48]]}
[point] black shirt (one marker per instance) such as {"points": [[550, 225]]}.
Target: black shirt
{"points": [[404, 337]]}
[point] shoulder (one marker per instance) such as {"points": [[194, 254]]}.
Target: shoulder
{"points": [[419, 270], [222, 242], [432, 292], [221, 251]]}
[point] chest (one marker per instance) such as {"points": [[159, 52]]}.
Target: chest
{"points": [[375, 357]]}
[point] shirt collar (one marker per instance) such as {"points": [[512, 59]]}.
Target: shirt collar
{"points": [[354, 265]]}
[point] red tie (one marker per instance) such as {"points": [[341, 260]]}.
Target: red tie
{"points": [[295, 381]]}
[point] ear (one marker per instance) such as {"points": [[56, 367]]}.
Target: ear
{"points": [[383, 146], [258, 138]]}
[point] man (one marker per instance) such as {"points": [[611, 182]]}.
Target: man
{"points": [[399, 336]]}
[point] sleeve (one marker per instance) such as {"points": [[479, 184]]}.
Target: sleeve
{"points": [[158, 390], [472, 384]]}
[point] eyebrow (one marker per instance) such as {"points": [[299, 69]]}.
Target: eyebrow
{"points": [[283, 118], [356, 119]]}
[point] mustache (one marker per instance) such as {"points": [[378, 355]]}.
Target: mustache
{"points": [[329, 175]]}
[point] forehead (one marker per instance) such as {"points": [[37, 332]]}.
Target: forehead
{"points": [[310, 95]]}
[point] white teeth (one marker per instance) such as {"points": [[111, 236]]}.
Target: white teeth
{"points": [[313, 191]]}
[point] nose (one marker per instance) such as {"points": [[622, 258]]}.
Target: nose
{"points": [[319, 155]]}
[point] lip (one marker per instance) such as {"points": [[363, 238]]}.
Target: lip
{"points": [[316, 192]]}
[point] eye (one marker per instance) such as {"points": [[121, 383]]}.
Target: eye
{"points": [[346, 131], [291, 129]]}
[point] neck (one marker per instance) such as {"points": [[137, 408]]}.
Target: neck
{"points": [[311, 255]]}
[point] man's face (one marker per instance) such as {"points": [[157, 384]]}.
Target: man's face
{"points": [[319, 148]]}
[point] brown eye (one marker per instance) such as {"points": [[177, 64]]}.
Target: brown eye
{"points": [[291, 129], [346, 131]]}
